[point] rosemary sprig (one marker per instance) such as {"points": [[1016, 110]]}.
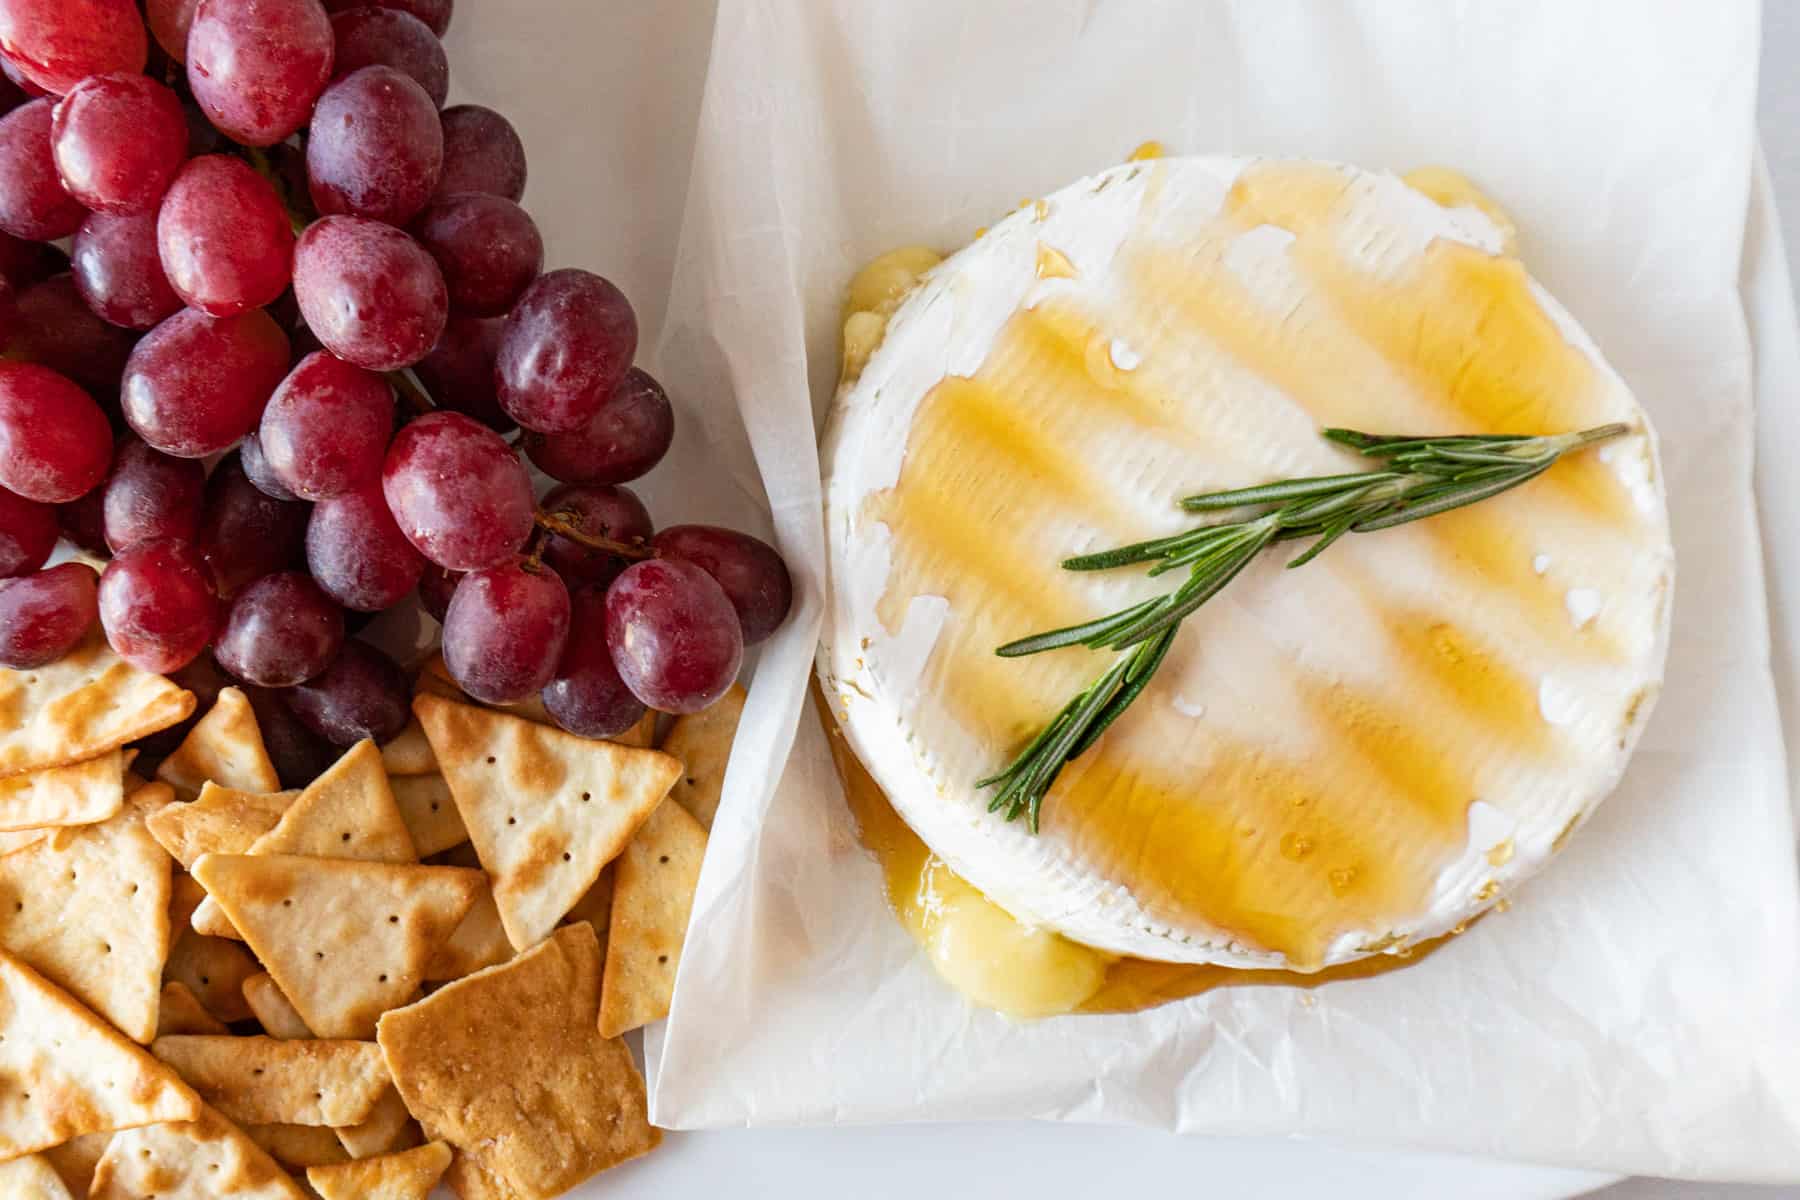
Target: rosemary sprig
{"points": [[1420, 477]]}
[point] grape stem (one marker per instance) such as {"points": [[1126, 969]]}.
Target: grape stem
{"points": [[560, 523]]}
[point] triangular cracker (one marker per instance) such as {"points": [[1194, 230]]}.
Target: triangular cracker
{"points": [[84, 704], [345, 940], [206, 1159], [184, 897], [12, 843], [75, 1160], [480, 941], [65, 1072], [222, 821], [545, 809], [226, 747], [409, 1175], [653, 895], [88, 908], [429, 812], [33, 1178], [387, 1128], [702, 741], [509, 1066], [273, 1009], [408, 753], [78, 794], [181, 1012], [214, 969], [298, 1147], [265, 1081], [596, 906]]}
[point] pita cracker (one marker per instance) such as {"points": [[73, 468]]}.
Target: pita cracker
{"points": [[12, 843], [298, 1147], [480, 941], [653, 895], [387, 1128], [345, 940], [273, 1009], [265, 1081], [75, 1160], [206, 1159], [65, 1072], [509, 1066], [84, 704], [226, 747], [408, 753], [184, 896], [78, 794], [545, 809], [222, 821], [214, 969], [409, 1175], [88, 908], [596, 906], [31, 1178], [702, 741], [181, 1012], [429, 812]]}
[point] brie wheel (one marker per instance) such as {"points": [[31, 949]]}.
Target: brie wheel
{"points": [[1332, 762]]}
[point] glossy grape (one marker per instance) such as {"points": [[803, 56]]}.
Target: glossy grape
{"points": [[54, 327], [598, 510], [224, 236], [257, 66], [362, 694], [83, 522], [118, 141], [459, 371], [58, 43], [370, 36], [372, 294], [375, 148], [55, 443], [169, 22], [482, 153], [33, 202], [751, 572], [258, 471], [45, 615], [673, 634], [196, 384], [151, 495], [327, 426], [245, 534], [488, 247], [357, 552], [565, 349], [628, 436], [279, 631], [157, 605], [458, 492], [28, 531], [300, 755], [436, 587], [434, 13], [505, 631], [586, 695], [118, 270]]}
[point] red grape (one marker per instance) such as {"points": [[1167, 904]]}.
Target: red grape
{"points": [[600, 511], [505, 630], [58, 43], [169, 22], [23, 263], [118, 141], [673, 635], [257, 66], [45, 615], [157, 605], [754, 577], [55, 443], [372, 295], [434, 13], [458, 492], [34, 205], [245, 534], [196, 384], [280, 630], [327, 427], [565, 349], [300, 755], [459, 371], [83, 522], [488, 247], [436, 587], [625, 439], [224, 236], [27, 534], [57, 329], [371, 36], [586, 696], [362, 694], [375, 148], [357, 552], [119, 273], [151, 495], [258, 471], [482, 153]]}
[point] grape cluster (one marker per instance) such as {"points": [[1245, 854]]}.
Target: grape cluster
{"points": [[289, 262]]}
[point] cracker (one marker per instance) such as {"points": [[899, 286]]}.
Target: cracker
{"points": [[222, 821], [345, 940], [595, 907], [205, 1159], [298, 1147], [702, 741], [84, 704], [509, 1067], [653, 895], [406, 1176], [429, 812], [387, 1128], [64, 1072], [545, 809], [78, 794], [408, 753], [75, 1160], [264, 1080], [480, 941], [226, 747], [181, 1012], [214, 969], [641, 734], [273, 1009], [12, 843], [32, 1178], [88, 908], [184, 897]]}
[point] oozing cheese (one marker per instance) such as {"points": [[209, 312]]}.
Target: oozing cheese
{"points": [[1333, 762]]}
